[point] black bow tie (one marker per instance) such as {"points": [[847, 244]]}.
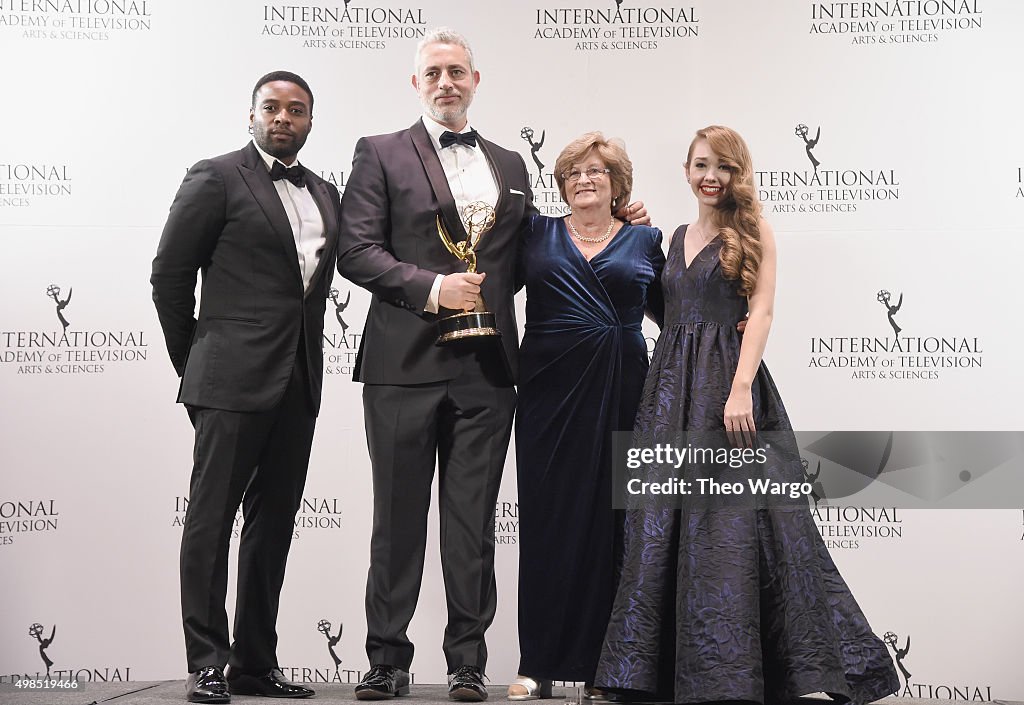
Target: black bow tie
{"points": [[296, 174], [448, 138]]}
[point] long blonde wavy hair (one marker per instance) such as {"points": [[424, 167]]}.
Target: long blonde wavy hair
{"points": [[738, 214]]}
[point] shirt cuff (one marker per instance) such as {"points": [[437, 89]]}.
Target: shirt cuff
{"points": [[433, 301]]}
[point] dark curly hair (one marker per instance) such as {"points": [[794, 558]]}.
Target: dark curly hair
{"points": [[284, 76]]}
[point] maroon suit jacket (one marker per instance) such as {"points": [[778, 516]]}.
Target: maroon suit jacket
{"points": [[389, 245]]}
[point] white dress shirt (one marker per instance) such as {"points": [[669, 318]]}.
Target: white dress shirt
{"points": [[305, 219], [469, 178]]}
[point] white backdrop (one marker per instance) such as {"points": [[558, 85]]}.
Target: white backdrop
{"points": [[919, 193]]}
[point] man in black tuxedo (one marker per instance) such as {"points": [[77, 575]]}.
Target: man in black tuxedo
{"points": [[263, 231], [422, 402]]}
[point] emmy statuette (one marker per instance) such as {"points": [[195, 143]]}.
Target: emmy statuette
{"points": [[478, 218]]}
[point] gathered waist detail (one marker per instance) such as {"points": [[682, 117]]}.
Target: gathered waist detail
{"points": [[578, 325]]}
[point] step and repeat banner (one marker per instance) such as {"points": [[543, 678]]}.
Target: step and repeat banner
{"points": [[889, 154]]}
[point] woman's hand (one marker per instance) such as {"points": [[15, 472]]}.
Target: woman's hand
{"points": [[739, 417]]}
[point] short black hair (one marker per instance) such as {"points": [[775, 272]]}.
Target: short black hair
{"points": [[284, 76]]}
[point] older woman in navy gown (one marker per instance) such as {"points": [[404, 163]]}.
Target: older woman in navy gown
{"points": [[589, 280], [729, 603]]}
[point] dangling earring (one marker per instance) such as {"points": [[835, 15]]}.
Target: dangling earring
{"points": [[250, 130], [614, 201]]}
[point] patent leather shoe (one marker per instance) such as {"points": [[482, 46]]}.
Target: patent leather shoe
{"points": [[207, 685], [270, 684], [382, 682], [466, 684], [599, 694]]}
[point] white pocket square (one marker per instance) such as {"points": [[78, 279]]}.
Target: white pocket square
{"points": [[518, 193]]}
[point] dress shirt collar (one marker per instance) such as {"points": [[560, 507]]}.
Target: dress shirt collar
{"points": [[435, 129], [269, 159]]}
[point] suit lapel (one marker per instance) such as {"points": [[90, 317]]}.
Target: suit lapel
{"points": [[438, 181], [254, 172], [490, 152]]}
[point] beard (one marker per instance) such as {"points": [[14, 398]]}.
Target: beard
{"points": [[450, 113], [281, 150]]}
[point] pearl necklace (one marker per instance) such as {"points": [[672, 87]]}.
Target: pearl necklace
{"points": [[607, 233]]}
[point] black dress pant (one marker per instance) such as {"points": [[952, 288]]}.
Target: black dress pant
{"points": [[464, 426], [258, 460]]}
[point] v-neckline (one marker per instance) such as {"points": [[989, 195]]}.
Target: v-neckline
{"points": [[574, 246], [687, 265]]}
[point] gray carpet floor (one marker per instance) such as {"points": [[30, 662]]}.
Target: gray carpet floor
{"points": [[167, 692]]}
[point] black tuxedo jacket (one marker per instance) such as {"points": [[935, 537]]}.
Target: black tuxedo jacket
{"points": [[389, 245], [227, 221]]}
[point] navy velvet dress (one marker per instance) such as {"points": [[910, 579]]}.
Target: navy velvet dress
{"points": [[582, 365], [736, 603]]}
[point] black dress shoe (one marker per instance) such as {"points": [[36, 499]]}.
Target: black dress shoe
{"points": [[207, 685], [271, 684], [382, 682], [466, 683]]}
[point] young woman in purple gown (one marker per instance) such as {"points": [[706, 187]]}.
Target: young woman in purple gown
{"points": [[728, 602]]}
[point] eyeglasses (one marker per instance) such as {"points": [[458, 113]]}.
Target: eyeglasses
{"points": [[593, 173]]}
